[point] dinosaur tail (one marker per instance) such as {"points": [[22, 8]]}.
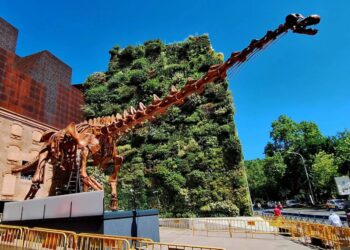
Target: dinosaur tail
{"points": [[26, 166]]}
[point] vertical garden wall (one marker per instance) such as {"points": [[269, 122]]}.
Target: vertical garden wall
{"points": [[187, 162]]}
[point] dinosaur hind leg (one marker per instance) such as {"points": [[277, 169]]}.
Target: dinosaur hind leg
{"points": [[32, 191]]}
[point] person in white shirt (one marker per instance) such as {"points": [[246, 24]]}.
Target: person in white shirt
{"points": [[334, 220]]}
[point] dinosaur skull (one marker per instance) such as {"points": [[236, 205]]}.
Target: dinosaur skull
{"points": [[300, 24]]}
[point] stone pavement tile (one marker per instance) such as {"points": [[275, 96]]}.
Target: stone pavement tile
{"points": [[237, 242]]}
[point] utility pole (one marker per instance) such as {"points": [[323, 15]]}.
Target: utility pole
{"points": [[307, 176]]}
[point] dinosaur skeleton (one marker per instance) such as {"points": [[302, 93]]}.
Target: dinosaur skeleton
{"points": [[72, 146]]}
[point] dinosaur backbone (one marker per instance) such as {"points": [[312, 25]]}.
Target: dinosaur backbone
{"points": [[97, 138]]}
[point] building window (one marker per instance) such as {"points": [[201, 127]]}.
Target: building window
{"points": [[27, 174], [13, 155], [16, 131], [8, 187], [36, 136]]}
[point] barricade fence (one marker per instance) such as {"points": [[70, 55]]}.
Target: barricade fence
{"points": [[305, 232], [321, 219], [134, 242], [11, 236], [52, 239], [86, 241]]}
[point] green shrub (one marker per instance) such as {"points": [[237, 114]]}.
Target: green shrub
{"points": [[95, 79], [137, 76], [141, 63], [153, 48]]}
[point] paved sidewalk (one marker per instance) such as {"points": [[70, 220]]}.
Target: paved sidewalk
{"points": [[238, 242]]}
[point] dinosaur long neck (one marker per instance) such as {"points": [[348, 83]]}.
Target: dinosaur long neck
{"points": [[121, 124]]}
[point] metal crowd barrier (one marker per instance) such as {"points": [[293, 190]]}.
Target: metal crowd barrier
{"points": [[36, 238], [306, 232], [249, 227], [11, 236], [133, 241], [183, 223], [101, 242], [170, 246], [72, 238]]}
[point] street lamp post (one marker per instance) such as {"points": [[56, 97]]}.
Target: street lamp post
{"points": [[307, 176], [156, 192], [134, 198]]}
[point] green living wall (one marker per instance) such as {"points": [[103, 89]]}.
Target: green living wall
{"points": [[187, 162]]}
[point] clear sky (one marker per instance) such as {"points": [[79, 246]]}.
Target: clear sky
{"points": [[306, 78]]}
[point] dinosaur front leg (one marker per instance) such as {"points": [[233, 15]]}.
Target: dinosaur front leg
{"points": [[87, 180], [113, 179], [32, 191], [38, 177]]}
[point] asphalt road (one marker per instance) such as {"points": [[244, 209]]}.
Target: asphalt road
{"points": [[312, 211], [318, 215]]}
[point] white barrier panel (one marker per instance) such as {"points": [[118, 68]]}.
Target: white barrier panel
{"points": [[33, 209], [12, 211], [88, 204], [63, 206], [58, 207]]}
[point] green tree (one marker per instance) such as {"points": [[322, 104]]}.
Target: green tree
{"points": [[341, 144], [323, 172], [265, 177], [257, 179], [288, 135], [282, 175]]}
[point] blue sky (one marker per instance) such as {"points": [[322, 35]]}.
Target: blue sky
{"points": [[306, 78]]}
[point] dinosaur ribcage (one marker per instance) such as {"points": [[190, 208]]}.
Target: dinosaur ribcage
{"points": [[106, 151]]}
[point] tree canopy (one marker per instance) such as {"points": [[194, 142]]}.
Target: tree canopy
{"points": [[294, 144]]}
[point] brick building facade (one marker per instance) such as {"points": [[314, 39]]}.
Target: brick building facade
{"points": [[37, 86], [35, 95]]}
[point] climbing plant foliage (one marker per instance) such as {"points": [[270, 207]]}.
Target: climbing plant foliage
{"points": [[187, 162]]}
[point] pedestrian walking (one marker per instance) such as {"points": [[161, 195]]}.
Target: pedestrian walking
{"points": [[277, 211], [334, 220]]}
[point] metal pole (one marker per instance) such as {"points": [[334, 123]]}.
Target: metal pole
{"points": [[307, 176], [134, 198], [156, 192]]}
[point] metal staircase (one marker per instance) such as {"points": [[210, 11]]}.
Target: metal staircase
{"points": [[74, 183]]}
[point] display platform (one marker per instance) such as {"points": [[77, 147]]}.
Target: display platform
{"points": [[82, 213]]}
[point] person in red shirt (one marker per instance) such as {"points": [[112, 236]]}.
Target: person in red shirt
{"points": [[277, 211]]}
